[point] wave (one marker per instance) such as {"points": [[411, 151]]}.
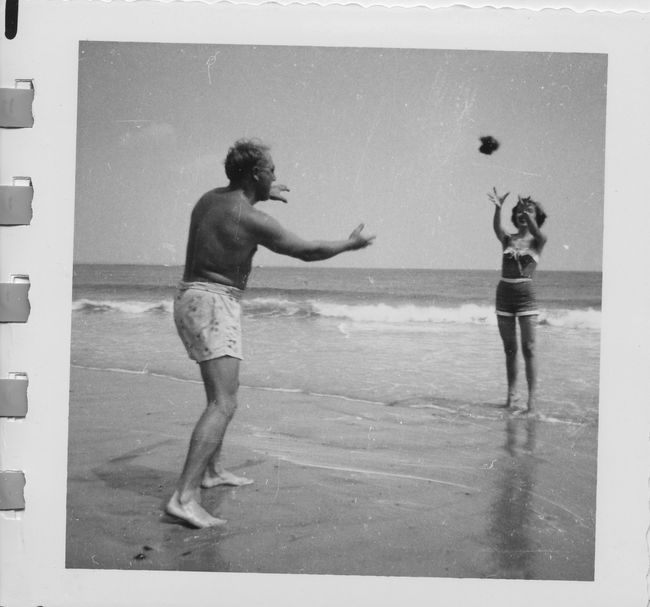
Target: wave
{"points": [[572, 319], [279, 306], [127, 307], [465, 314], [384, 313], [368, 315]]}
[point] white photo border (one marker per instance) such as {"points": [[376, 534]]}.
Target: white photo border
{"points": [[46, 49]]}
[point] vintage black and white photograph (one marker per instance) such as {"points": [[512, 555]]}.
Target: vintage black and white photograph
{"points": [[336, 310]]}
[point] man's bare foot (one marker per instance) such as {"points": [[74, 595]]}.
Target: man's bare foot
{"points": [[191, 512], [224, 478]]}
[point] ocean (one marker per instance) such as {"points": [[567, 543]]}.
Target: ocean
{"points": [[415, 338]]}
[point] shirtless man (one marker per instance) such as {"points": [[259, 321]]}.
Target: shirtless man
{"points": [[225, 231]]}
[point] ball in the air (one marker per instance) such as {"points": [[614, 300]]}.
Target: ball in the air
{"points": [[488, 145]]}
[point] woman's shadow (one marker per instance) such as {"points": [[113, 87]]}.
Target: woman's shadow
{"points": [[510, 514]]}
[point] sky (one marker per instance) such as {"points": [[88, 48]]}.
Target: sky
{"points": [[387, 137]]}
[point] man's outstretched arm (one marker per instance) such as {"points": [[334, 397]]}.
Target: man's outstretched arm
{"points": [[269, 233]]}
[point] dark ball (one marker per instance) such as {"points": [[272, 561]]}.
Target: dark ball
{"points": [[488, 145]]}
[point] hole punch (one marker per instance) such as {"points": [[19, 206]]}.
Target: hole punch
{"points": [[16, 202], [14, 300], [13, 395], [12, 489], [16, 105]]}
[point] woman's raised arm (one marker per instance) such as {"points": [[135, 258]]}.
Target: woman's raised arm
{"points": [[498, 204]]}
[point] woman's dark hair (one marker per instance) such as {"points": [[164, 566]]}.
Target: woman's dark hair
{"points": [[244, 157], [540, 214]]}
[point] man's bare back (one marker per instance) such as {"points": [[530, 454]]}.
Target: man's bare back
{"points": [[220, 247]]}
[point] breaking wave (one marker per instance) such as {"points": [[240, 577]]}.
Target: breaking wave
{"points": [[126, 307], [380, 313]]}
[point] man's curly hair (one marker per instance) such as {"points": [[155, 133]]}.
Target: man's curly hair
{"points": [[244, 157]]}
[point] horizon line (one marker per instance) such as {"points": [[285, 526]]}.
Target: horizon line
{"points": [[293, 267]]}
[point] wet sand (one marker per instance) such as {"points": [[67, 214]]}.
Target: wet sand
{"points": [[340, 487]]}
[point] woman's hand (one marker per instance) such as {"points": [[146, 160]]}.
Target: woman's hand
{"points": [[276, 192], [496, 199]]}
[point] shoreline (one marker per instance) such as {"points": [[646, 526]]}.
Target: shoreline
{"points": [[351, 399], [340, 487], [300, 266]]}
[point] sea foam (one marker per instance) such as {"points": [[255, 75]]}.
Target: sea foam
{"points": [[380, 314], [127, 307]]}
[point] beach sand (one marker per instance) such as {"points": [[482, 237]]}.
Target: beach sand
{"points": [[340, 487]]}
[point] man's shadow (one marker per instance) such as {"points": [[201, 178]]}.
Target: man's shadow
{"points": [[123, 474]]}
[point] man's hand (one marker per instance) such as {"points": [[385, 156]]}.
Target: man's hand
{"points": [[496, 199], [358, 240], [276, 192]]}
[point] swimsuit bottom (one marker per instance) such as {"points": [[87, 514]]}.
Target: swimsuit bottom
{"points": [[516, 298], [208, 320]]}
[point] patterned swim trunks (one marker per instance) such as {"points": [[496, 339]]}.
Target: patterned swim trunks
{"points": [[208, 320]]}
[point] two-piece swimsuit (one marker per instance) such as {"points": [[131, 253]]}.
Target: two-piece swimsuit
{"points": [[515, 293]]}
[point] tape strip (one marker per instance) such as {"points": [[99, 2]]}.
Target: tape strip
{"points": [[14, 300], [13, 395], [16, 106], [12, 490], [16, 203]]}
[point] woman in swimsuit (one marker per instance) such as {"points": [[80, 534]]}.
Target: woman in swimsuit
{"points": [[515, 295]]}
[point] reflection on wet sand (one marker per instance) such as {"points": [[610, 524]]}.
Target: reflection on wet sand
{"points": [[339, 489], [510, 514]]}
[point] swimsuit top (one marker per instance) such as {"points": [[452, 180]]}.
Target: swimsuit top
{"points": [[518, 262]]}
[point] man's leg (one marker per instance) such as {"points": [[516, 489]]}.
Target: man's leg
{"points": [[508, 332], [215, 474], [221, 381]]}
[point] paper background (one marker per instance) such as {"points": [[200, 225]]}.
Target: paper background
{"points": [[32, 547]]}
